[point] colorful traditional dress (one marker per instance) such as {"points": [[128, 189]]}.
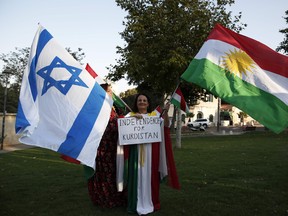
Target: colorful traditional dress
{"points": [[102, 185], [146, 165]]}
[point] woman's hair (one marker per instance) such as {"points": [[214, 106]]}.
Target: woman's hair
{"points": [[135, 108], [119, 111], [105, 86]]}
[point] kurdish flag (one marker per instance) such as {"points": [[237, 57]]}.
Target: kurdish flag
{"points": [[244, 73], [61, 107], [179, 101]]}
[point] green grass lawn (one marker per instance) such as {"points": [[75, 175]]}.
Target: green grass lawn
{"points": [[219, 175]]}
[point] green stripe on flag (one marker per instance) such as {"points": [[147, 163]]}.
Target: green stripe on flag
{"points": [[118, 102], [260, 105], [175, 102], [132, 179]]}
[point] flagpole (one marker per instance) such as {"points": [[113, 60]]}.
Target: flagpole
{"points": [[178, 127], [163, 111], [125, 104], [175, 89]]}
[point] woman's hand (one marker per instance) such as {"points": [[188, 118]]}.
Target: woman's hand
{"points": [[138, 116]]}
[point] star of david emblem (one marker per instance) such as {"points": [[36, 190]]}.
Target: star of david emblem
{"points": [[62, 85]]}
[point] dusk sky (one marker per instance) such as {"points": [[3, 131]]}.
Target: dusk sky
{"points": [[94, 25]]}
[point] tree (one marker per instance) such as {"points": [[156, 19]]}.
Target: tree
{"points": [[284, 44], [79, 55], [12, 72], [128, 93], [129, 96], [162, 37], [15, 63]]}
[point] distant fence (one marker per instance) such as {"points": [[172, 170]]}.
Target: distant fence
{"points": [[9, 130]]}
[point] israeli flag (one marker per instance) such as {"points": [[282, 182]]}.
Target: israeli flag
{"points": [[61, 107]]}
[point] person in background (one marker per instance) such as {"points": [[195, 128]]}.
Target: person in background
{"points": [[143, 180], [102, 185]]}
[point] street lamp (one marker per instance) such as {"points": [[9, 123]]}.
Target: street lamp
{"points": [[5, 74]]}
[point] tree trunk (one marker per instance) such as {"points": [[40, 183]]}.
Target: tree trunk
{"points": [[179, 127], [172, 126]]}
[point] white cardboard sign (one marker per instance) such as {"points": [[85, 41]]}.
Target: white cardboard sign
{"points": [[136, 131]]}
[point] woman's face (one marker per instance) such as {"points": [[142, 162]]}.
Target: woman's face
{"points": [[109, 91], [142, 103]]}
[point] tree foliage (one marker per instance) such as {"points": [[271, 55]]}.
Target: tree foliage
{"points": [[162, 37], [128, 96], [79, 54], [284, 44], [128, 93], [14, 65]]}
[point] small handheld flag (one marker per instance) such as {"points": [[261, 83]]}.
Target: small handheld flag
{"points": [[179, 101]]}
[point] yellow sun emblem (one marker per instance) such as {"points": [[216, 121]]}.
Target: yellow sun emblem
{"points": [[238, 62]]}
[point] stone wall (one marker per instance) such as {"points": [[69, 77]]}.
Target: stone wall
{"points": [[9, 130]]}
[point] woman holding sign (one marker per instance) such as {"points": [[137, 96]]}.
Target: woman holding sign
{"points": [[146, 164]]}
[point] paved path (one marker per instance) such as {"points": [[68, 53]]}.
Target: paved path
{"points": [[213, 131]]}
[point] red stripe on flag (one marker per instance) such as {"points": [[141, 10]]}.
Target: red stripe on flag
{"points": [[91, 71], [182, 102], [69, 159], [173, 180], [264, 56]]}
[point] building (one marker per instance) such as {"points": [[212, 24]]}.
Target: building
{"points": [[205, 109], [208, 109]]}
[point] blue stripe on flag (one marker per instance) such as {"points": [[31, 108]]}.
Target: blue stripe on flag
{"points": [[83, 124], [44, 38], [21, 121]]}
